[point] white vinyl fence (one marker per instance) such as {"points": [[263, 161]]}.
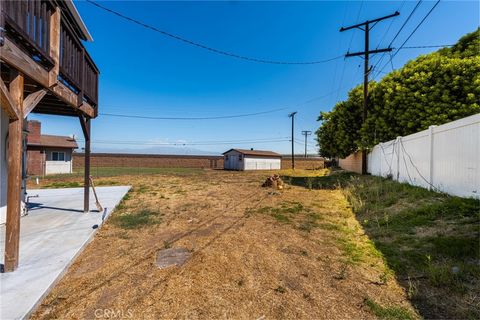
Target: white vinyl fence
{"points": [[444, 158]]}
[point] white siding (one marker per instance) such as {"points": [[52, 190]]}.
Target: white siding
{"points": [[257, 163], [445, 158], [248, 162], [53, 167]]}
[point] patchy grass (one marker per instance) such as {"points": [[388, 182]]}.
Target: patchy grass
{"points": [[118, 171], [303, 173], [430, 240], [390, 312], [66, 184], [260, 254], [303, 218], [136, 220], [325, 179]]}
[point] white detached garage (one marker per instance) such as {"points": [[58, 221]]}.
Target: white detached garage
{"points": [[240, 159]]}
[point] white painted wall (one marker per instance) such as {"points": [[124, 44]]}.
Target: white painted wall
{"points": [[3, 165], [444, 158], [256, 163], [54, 167], [248, 162]]}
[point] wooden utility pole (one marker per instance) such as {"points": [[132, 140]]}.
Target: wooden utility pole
{"points": [[292, 115], [306, 133], [14, 159], [366, 26]]}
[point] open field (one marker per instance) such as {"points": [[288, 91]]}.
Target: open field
{"points": [[309, 251]]}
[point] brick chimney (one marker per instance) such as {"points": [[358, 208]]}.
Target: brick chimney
{"points": [[34, 131]]}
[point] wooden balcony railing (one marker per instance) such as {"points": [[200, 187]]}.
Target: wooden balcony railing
{"points": [[90, 80], [28, 23]]}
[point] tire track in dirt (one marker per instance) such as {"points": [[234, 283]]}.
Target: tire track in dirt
{"points": [[173, 271], [147, 253]]}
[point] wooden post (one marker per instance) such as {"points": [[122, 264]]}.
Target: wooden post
{"points": [[85, 123], [14, 165], [55, 46]]}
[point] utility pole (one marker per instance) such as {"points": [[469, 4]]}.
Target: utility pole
{"points": [[292, 115], [366, 26], [306, 133]]}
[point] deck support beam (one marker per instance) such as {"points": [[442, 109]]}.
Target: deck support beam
{"points": [[32, 100], [7, 102], [86, 128], [14, 165]]}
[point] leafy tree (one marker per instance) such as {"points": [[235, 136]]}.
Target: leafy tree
{"points": [[339, 132], [431, 90]]}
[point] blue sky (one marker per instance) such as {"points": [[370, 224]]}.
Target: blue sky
{"points": [[146, 73]]}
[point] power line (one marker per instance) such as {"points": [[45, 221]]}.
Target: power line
{"points": [[191, 118], [299, 105], [202, 46], [199, 143], [385, 34], [432, 46], [406, 21], [396, 35], [411, 34]]}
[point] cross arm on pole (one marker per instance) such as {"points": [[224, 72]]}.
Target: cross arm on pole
{"points": [[370, 21], [364, 52]]}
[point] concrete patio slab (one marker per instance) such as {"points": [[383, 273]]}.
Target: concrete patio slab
{"points": [[53, 233]]}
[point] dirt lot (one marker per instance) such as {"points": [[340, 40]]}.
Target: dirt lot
{"points": [[255, 254]]}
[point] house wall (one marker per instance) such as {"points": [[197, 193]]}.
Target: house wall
{"points": [[3, 165], [54, 167], [35, 162]]}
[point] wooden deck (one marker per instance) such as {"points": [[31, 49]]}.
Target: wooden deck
{"points": [[44, 69]]}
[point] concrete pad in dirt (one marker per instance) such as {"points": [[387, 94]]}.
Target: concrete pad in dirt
{"points": [[53, 233]]}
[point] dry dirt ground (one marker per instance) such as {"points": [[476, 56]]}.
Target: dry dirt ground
{"points": [[255, 254]]}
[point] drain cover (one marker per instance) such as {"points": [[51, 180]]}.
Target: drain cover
{"points": [[172, 257]]}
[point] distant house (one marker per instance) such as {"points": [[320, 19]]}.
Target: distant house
{"points": [[240, 159], [47, 154]]}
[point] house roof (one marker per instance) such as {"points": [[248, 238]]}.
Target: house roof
{"points": [[78, 19], [55, 141], [248, 152]]}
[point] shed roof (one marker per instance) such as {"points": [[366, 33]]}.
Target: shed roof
{"points": [[55, 141], [248, 152]]}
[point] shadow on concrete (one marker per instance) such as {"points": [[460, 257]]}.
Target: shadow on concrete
{"points": [[32, 206]]}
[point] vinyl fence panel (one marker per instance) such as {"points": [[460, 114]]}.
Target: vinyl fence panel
{"points": [[445, 158]]}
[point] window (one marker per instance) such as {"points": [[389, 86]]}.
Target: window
{"points": [[226, 157], [58, 156], [239, 157]]}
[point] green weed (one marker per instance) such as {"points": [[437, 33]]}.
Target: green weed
{"points": [[137, 220], [389, 312]]}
